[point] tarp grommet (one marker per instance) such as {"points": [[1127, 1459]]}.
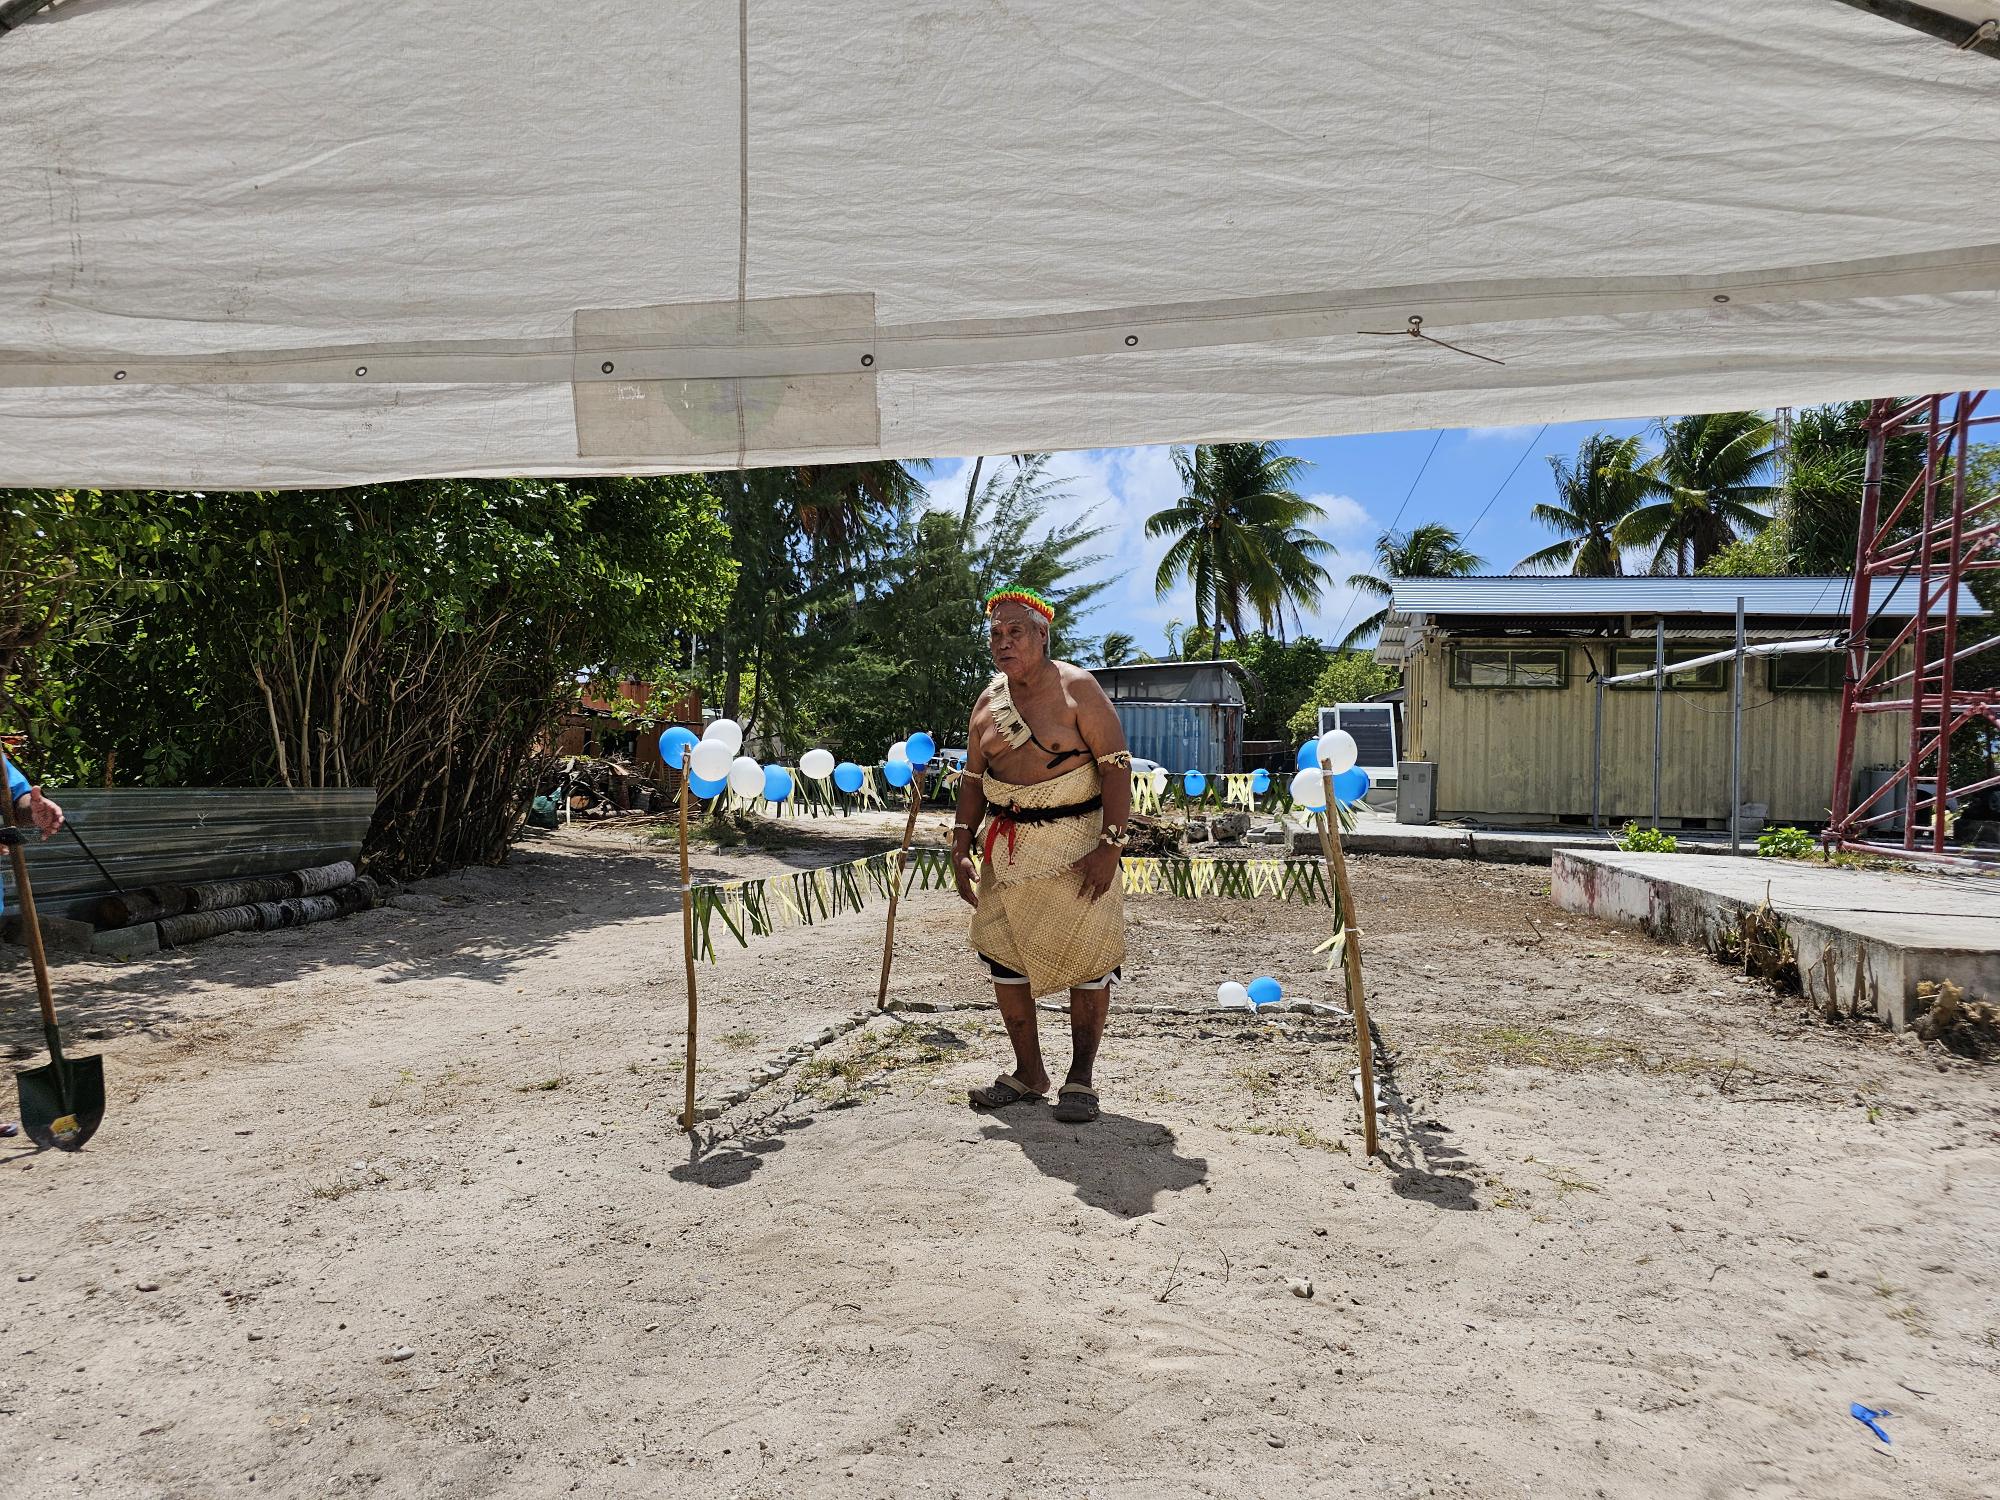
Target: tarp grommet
{"points": [[360, 372], [605, 367], [1131, 340]]}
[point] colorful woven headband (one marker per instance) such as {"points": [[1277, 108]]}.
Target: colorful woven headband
{"points": [[1026, 598]]}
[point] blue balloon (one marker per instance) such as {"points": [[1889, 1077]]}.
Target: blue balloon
{"points": [[897, 773], [1194, 783], [1260, 781], [706, 789], [675, 742], [921, 748], [1266, 990], [1309, 755], [777, 783], [848, 777], [1350, 786]]}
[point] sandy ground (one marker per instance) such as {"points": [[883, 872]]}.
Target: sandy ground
{"points": [[1641, 1228]]}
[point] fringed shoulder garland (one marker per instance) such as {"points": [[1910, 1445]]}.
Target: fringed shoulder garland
{"points": [[1006, 718]]}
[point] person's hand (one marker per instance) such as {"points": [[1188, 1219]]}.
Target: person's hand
{"points": [[46, 816], [968, 879], [1098, 869]]}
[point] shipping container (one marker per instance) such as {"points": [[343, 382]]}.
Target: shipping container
{"points": [[1204, 737]]}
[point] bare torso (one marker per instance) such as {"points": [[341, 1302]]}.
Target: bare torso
{"points": [[1050, 705]]}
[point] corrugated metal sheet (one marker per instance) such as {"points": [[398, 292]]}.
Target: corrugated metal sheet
{"points": [[1185, 736], [1511, 594], [1172, 682], [146, 836], [1392, 642]]}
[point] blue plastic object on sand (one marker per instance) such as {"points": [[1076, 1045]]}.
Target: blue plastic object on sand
{"points": [[1870, 1418]]}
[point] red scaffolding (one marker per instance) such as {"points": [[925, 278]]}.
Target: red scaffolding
{"points": [[1936, 536]]}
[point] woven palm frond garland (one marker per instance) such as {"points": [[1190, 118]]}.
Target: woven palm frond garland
{"points": [[805, 898]]}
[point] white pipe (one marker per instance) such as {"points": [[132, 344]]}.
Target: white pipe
{"points": [[1768, 648]]}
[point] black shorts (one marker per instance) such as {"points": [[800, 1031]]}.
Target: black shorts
{"points": [[1004, 975]]}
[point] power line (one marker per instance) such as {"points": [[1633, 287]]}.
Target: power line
{"points": [[1507, 481], [1392, 524], [1419, 479]]}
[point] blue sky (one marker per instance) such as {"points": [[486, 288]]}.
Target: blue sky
{"points": [[1361, 482]]}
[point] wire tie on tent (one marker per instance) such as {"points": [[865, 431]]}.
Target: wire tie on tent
{"points": [[1416, 331]]}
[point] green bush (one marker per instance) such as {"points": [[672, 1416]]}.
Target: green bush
{"points": [[1786, 843], [1636, 838]]}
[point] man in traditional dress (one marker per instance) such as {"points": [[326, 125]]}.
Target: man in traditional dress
{"points": [[1048, 774]]}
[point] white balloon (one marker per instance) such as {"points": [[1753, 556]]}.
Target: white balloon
{"points": [[725, 732], [1337, 751], [1159, 778], [710, 760], [746, 777], [900, 750], [1233, 996], [817, 764], [1309, 791]]}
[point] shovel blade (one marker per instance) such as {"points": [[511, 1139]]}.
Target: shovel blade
{"points": [[52, 1124]]}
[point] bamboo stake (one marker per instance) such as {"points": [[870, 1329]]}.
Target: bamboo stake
{"points": [[896, 888], [687, 941], [1336, 859]]}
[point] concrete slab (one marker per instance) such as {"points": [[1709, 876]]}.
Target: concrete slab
{"points": [[1864, 939], [1374, 834], [67, 935]]}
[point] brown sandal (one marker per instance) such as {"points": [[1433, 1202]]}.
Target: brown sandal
{"points": [[1003, 1091], [1076, 1104]]}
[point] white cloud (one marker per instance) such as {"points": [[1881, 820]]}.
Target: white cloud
{"points": [[1500, 434], [1346, 519]]}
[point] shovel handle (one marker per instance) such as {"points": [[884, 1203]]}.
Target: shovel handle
{"points": [[31, 928]]}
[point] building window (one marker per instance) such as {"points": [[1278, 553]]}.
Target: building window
{"points": [[1712, 678], [1510, 667], [1807, 672]]}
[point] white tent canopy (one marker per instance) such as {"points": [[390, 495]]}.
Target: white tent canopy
{"points": [[263, 243]]}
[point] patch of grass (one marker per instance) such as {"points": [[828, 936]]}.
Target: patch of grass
{"points": [[1305, 1135], [1260, 1082], [335, 1190], [740, 1038], [1564, 1180], [543, 1085], [1906, 1313], [1530, 1046], [907, 1047], [380, 1101]]}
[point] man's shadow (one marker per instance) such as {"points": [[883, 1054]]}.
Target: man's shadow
{"points": [[1115, 1163]]}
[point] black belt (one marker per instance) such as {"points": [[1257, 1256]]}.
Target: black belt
{"points": [[1011, 814]]}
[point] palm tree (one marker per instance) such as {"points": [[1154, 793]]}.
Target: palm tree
{"points": [[1116, 649], [1709, 478], [1432, 550], [1240, 537], [1594, 495]]}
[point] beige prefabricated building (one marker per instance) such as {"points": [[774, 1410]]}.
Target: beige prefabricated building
{"points": [[272, 242], [1499, 680]]}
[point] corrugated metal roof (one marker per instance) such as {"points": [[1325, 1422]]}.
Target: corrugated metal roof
{"points": [[1392, 643], [1518, 594], [1172, 681]]}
